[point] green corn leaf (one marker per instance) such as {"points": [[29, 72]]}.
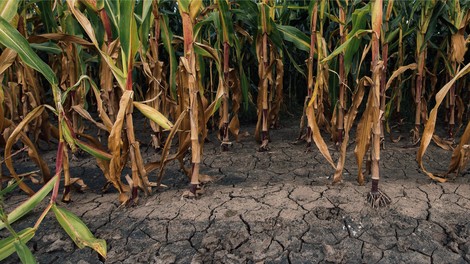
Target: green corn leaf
{"points": [[7, 245], [23, 252], [9, 188], [144, 27], [294, 63], [47, 17], [128, 32], [30, 204], [167, 37], [359, 22], [48, 47], [78, 231], [87, 26], [207, 51], [11, 38], [212, 18], [95, 152], [8, 9], [391, 36], [226, 21], [294, 35], [348, 42], [183, 5], [112, 11], [152, 114]]}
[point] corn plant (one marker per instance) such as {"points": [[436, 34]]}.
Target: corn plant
{"points": [[178, 63]]}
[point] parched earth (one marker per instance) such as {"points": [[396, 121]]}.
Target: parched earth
{"points": [[271, 207]]}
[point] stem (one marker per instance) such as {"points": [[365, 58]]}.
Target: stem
{"points": [[382, 87], [43, 215], [58, 168], [66, 194], [452, 105], [193, 96], [376, 76], [419, 86], [342, 79], [225, 118]]}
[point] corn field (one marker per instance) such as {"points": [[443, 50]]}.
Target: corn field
{"points": [[356, 68]]}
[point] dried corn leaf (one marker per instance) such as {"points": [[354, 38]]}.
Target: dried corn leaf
{"points": [[399, 71], [444, 144], [348, 123], [316, 135], [85, 114], [456, 162], [17, 132], [431, 124], [115, 144], [363, 136], [6, 59], [166, 148], [59, 37], [87, 26], [458, 47]]}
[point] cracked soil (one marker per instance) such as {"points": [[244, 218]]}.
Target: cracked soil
{"points": [[270, 207]]}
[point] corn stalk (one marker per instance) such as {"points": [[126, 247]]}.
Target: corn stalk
{"points": [[421, 51], [376, 197]]}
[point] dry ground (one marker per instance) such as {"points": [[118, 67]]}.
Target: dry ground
{"points": [[271, 207]]}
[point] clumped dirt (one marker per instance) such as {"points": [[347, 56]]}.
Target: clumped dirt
{"points": [[271, 207]]}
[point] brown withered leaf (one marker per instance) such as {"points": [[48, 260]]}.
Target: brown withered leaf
{"points": [[363, 136], [457, 161], [348, 123], [85, 114], [6, 59], [316, 135], [431, 124]]}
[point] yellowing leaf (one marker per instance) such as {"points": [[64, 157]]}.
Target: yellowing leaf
{"points": [[7, 245], [152, 114], [30, 204], [78, 231]]}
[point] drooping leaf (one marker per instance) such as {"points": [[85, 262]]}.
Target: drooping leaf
{"points": [[294, 35], [11, 38], [30, 204], [431, 123], [346, 44], [14, 136], [87, 26], [95, 152], [154, 115], [78, 231]]}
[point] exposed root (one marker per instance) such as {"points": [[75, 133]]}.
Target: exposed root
{"points": [[378, 199]]}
